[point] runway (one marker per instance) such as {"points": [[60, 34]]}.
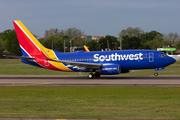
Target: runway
{"points": [[82, 80]]}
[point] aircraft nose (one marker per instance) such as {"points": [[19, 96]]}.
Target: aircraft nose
{"points": [[171, 60]]}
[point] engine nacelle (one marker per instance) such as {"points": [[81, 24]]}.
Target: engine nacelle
{"points": [[110, 69]]}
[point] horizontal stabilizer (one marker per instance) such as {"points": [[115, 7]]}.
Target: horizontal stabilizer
{"points": [[27, 58], [18, 57]]}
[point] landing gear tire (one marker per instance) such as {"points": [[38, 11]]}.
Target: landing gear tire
{"points": [[97, 74], [90, 76], [156, 74]]}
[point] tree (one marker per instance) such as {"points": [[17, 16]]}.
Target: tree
{"points": [[71, 32], [142, 40], [76, 34], [173, 38], [178, 45], [2, 47], [93, 45], [131, 42], [130, 32], [147, 39], [11, 42], [108, 42], [54, 42], [151, 35], [157, 42]]}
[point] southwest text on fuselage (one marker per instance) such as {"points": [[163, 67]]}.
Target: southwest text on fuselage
{"points": [[117, 57]]}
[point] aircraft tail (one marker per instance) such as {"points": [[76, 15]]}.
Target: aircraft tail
{"points": [[29, 45], [34, 53]]}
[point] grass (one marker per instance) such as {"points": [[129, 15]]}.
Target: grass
{"points": [[90, 102], [86, 102], [15, 67]]}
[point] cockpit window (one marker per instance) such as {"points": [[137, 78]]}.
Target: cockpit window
{"points": [[162, 55]]}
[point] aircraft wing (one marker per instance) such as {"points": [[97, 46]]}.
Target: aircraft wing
{"points": [[83, 65]]}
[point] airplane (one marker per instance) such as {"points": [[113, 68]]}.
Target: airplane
{"points": [[97, 63]]}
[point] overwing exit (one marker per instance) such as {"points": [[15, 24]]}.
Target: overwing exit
{"points": [[97, 63]]}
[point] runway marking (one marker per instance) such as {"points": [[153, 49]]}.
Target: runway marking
{"points": [[27, 84]]}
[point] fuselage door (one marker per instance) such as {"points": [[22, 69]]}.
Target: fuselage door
{"points": [[151, 57]]}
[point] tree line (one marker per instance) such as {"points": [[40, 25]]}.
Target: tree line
{"points": [[131, 38], [136, 38]]}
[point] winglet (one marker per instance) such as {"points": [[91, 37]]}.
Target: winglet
{"points": [[86, 49]]}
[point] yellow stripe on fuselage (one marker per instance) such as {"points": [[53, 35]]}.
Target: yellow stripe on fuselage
{"points": [[50, 54], [60, 66]]}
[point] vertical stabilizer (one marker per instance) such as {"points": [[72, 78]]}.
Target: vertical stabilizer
{"points": [[29, 45]]}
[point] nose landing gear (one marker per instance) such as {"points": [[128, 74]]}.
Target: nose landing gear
{"points": [[155, 74]]}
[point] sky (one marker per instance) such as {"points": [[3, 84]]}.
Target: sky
{"points": [[93, 17]]}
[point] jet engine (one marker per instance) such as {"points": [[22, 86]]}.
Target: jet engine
{"points": [[110, 69]]}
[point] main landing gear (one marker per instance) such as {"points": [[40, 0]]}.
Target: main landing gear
{"points": [[91, 75]]}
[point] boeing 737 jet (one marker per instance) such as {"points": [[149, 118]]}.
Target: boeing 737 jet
{"points": [[97, 63]]}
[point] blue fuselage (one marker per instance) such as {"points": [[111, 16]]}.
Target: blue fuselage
{"points": [[127, 59]]}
